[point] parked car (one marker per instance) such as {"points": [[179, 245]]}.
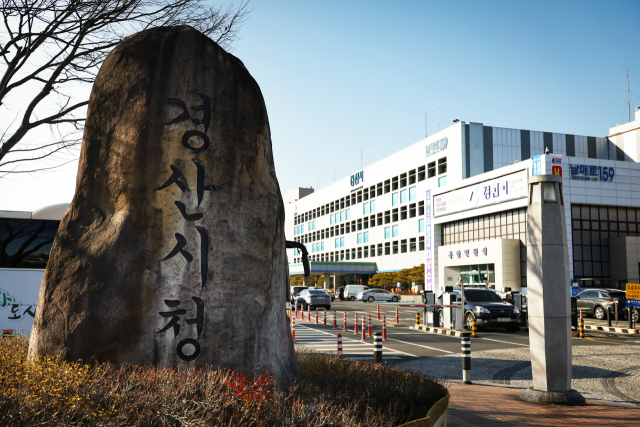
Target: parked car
{"points": [[486, 308], [377, 295], [340, 293], [312, 298], [295, 291], [596, 302], [331, 294], [351, 291]]}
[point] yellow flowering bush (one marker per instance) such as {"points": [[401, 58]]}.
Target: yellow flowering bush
{"points": [[333, 392]]}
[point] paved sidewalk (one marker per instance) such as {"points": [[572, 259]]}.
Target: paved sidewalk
{"points": [[495, 406], [609, 373]]}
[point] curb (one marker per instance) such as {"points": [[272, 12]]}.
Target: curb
{"points": [[612, 329], [439, 331]]}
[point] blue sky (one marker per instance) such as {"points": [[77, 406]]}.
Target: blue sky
{"points": [[341, 76], [338, 76]]}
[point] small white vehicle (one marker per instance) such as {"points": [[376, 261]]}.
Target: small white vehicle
{"points": [[351, 291], [377, 295]]}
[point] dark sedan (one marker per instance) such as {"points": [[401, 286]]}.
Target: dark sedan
{"points": [[486, 308]]}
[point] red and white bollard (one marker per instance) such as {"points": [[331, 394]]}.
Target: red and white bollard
{"points": [[335, 320], [295, 311], [397, 318], [339, 346], [293, 329], [378, 311], [384, 328], [316, 315], [364, 330], [308, 313], [345, 322], [369, 331], [324, 320], [355, 325]]}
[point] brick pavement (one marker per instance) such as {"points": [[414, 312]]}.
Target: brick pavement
{"points": [[610, 373], [495, 406]]}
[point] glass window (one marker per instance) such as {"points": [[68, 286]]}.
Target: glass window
{"points": [[395, 247], [421, 225], [395, 199], [341, 216], [412, 193], [403, 246], [347, 215], [403, 196], [395, 231], [387, 232], [322, 246], [359, 238], [342, 242], [442, 181], [366, 237], [331, 220], [337, 243], [365, 209], [372, 207], [412, 245]]}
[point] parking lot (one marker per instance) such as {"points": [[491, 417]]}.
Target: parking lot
{"points": [[404, 344]]}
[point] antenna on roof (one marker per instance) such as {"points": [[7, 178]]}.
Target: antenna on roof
{"points": [[426, 130], [628, 101]]}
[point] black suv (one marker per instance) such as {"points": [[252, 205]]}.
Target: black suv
{"points": [[596, 302], [487, 308]]}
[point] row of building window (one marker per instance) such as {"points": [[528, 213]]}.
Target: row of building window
{"points": [[592, 227], [389, 216], [389, 248], [395, 183]]}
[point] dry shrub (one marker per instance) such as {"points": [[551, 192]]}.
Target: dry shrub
{"points": [[52, 392]]}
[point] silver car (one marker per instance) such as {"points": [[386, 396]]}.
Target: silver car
{"points": [[372, 295], [313, 298]]}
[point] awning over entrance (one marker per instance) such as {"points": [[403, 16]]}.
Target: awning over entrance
{"points": [[336, 267]]}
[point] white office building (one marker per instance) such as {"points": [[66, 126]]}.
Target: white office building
{"points": [[456, 201]]}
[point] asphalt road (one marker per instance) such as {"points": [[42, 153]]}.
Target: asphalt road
{"points": [[405, 344]]}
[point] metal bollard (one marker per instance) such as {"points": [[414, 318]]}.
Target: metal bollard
{"points": [[581, 325], [377, 348], [378, 311], [339, 346], [474, 329], [293, 329], [369, 331], [615, 307], [417, 320], [466, 357], [384, 328], [609, 317], [397, 318]]}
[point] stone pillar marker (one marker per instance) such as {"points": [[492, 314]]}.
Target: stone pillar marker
{"points": [[548, 295], [173, 249]]}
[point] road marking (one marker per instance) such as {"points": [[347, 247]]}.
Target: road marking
{"points": [[354, 344], [420, 345], [505, 342]]}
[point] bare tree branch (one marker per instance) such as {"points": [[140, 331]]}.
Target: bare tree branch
{"points": [[47, 47]]}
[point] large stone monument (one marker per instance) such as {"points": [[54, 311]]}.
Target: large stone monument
{"points": [[548, 294], [173, 249]]}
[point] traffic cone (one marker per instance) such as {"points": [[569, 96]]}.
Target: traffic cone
{"points": [[324, 320], [316, 315], [355, 325]]}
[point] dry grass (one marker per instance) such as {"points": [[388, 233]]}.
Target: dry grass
{"points": [[333, 392]]}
